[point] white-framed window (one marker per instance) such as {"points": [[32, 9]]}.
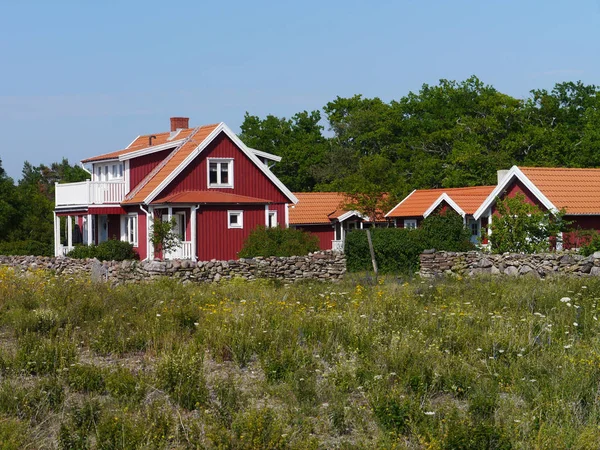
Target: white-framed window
{"points": [[271, 219], [220, 172], [411, 224], [130, 229], [111, 171], [235, 219]]}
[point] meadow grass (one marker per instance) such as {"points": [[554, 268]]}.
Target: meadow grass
{"points": [[446, 364]]}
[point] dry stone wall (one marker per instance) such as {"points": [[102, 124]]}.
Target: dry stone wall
{"points": [[324, 266], [512, 264]]}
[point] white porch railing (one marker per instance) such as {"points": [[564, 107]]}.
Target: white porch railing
{"points": [[182, 252], [64, 249], [90, 193], [337, 246]]}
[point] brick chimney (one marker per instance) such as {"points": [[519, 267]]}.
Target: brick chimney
{"points": [[179, 122]]}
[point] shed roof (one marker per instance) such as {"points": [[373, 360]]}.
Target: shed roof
{"points": [[419, 201]]}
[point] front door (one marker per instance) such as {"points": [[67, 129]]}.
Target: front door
{"points": [[102, 228], [475, 228]]}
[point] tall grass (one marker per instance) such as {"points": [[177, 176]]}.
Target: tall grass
{"points": [[473, 363]]}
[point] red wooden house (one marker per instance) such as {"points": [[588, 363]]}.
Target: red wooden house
{"points": [[217, 189], [421, 203], [326, 215], [576, 191]]}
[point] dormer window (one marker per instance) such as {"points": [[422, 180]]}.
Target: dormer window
{"points": [[220, 172], [109, 172]]}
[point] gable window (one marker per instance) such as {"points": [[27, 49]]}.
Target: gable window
{"points": [[220, 172], [235, 219], [411, 224], [271, 219], [130, 229]]}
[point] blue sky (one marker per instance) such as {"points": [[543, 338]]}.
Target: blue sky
{"points": [[81, 78]]}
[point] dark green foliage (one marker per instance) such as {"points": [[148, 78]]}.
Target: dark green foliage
{"points": [[397, 250], [27, 247], [111, 250], [446, 232], [278, 242], [592, 243]]}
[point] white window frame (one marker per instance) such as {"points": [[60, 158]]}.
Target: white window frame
{"points": [[410, 224], [130, 225], [218, 184], [240, 220], [271, 213]]}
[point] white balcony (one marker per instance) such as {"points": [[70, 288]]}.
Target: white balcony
{"points": [[90, 193]]}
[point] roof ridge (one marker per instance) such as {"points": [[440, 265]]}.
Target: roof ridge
{"points": [[162, 164]]}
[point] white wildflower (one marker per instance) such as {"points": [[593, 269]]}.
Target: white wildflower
{"points": [[565, 299], [429, 413]]}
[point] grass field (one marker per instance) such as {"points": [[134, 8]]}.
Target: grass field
{"points": [[455, 364]]}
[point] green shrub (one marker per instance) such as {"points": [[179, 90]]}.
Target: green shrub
{"points": [[181, 374], [278, 242], [111, 250], [36, 355], [124, 385], [28, 247], [85, 378], [397, 250], [592, 244]]}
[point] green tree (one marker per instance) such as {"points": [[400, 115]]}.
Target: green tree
{"points": [[163, 235], [522, 227], [299, 141], [9, 205]]}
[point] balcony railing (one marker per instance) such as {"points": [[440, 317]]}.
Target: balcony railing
{"points": [[90, 193], [184, 251]]}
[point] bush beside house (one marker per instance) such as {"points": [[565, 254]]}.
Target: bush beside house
{"points": [[397, 250], [278, 241]]}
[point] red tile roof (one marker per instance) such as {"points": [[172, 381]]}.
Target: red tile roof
{"points": [[317, 207], [576, 190], [162, 171], [419, 201], [142, 142], [208, 197]]}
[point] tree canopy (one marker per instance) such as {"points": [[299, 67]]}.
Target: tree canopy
{"points": [[456, 133]]}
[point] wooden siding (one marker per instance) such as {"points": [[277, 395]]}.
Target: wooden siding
{"points": [[143, 165], [576, 239], [247, 178], [325, 233], [513, 189], [215, 240]]}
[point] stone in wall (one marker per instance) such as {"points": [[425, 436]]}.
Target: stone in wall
{"points": [[324, 266], [537, 265]]}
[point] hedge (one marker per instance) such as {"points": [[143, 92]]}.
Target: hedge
{"points": [[111, 250], [397, 250], [278, 242]]}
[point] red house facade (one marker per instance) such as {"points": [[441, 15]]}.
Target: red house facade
{"points": [[421, 203], [326, 215], [205, 178], [574, 191]]}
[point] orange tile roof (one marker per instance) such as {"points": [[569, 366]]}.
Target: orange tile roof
{"points": [[209, 197], [317, 207], [416, 203], [162, 171], [576, 190], [140, 143]]}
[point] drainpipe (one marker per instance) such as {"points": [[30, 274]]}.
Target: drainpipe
{"points": [[194, 232], [147, 233]]}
